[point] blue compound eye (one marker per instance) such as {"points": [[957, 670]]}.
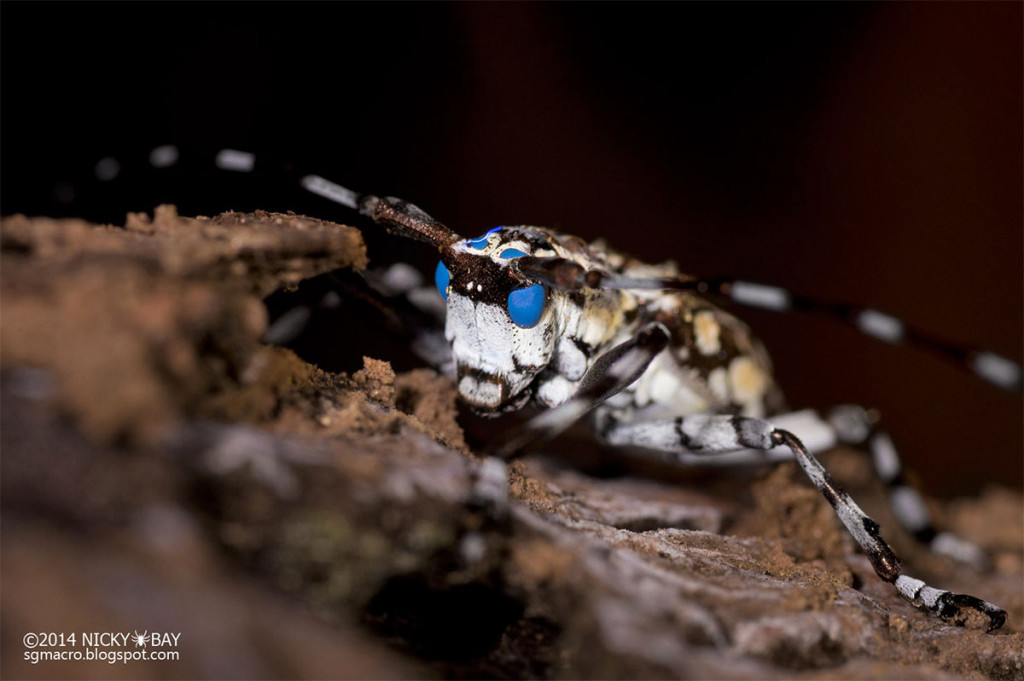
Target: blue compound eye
{"points": [[480, 243], [526, 305], [442, 279]]}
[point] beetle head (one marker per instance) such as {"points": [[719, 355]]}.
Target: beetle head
{"points": [[501, 328]]}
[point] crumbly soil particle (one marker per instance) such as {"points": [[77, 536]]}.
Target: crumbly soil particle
{"points": [[164, 470]]}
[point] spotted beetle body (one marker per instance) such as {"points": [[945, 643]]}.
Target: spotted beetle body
{"points": [[712, 364], [585, 330]]}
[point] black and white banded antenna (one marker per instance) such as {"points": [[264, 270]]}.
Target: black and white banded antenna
{"points": [[987, 365], [991, 367], [405, 219]]}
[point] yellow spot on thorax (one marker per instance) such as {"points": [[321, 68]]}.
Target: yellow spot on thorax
{"points": [[707, 331], [747, 381]]}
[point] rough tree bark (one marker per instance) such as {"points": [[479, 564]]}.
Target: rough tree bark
{"points": [[163, 470]]}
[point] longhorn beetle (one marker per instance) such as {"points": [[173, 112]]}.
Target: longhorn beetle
{"points": [[535, 315]]}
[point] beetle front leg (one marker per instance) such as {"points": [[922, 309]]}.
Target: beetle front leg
{"points": [[610, 374], [703, 434]]}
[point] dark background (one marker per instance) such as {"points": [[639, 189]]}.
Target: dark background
{"points": [[867, 153]]}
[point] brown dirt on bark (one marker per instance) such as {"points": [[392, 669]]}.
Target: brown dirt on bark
{"points": [[163, 470]]}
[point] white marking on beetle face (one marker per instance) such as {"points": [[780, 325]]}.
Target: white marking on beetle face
{"points": [[480, 393], [996, 369], [707, 330], [107, 169], [164, 156], [485, 340], [234, 160], [759, 295], [880, 325], [329, 190]]}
